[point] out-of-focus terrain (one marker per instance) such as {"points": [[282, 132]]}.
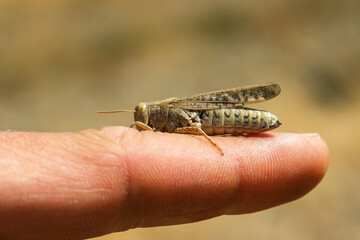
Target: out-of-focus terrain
{"points": [[61, 61]]}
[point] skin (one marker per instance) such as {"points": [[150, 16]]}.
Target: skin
{"points": [[94, 182]]}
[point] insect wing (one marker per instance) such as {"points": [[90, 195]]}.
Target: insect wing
{"points": [[230, 98]]}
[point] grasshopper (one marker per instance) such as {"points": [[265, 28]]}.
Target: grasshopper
{"points": [[214, 113]]}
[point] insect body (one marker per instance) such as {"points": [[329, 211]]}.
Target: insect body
{"points": [[237, 121], [214, 113]]}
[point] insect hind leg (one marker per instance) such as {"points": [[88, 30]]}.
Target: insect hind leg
{"points": [[197, 130]]}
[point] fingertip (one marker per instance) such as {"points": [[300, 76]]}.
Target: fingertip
{"points": [[279, 169], [316, 157], [312, 158], [307, 157], [320, 151]]}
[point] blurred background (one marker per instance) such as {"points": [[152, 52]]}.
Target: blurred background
{"points": [[61, 61]]}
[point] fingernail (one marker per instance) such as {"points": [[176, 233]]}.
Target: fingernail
{"points": [[316, 135], [312, 137]]}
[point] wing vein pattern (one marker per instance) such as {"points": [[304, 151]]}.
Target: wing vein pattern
{"points": [[230, 98]]}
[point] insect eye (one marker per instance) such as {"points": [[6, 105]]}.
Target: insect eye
{"points": [[142, 107]]}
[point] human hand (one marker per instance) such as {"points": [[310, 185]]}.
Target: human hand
{"points": [[91, 183]]}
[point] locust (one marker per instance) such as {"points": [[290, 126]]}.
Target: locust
{"points": [[207, 114]]}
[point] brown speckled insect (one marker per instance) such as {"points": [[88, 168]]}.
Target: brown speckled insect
{"points": [[215, 113]]}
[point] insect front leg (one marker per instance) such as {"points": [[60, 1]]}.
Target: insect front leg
{"points": [[142, 126], [197, 130]]}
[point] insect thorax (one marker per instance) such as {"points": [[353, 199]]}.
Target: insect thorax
{"points": [[161, 117]]}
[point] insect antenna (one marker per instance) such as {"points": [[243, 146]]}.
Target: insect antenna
{"points": [[117, 111]]}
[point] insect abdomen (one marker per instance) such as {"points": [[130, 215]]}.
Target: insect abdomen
{"points": [[232, 121]]}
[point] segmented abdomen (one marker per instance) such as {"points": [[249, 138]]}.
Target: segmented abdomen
{"points": [[232, 121]]}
